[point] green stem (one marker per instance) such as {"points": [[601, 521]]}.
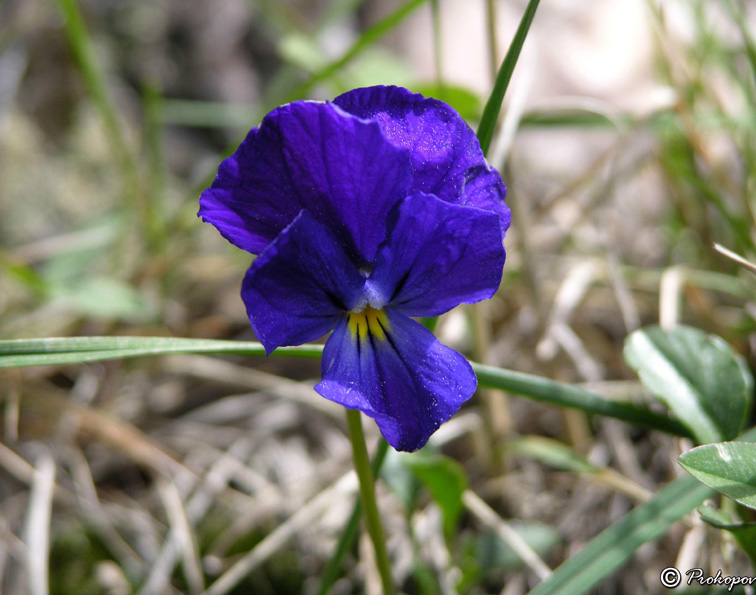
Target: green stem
{"points": [[367, 492], [349, 534]]}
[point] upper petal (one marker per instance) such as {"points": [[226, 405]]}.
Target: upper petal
{"points": [[314, 156], [402, 377], [436, 256], [300, 286], [446, 154]]}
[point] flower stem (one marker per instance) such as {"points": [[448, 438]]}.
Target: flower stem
{"points": [[367, 493]]}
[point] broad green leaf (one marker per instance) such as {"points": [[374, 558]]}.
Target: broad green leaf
{"points": [[697, 376], [445, 479], [728, 467], [744, 533], [377, 66], [493, 105], [397, 476]]}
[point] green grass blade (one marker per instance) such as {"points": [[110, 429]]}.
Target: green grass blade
{"points": [[84, 54], [71, 350], [74, 350], [493, 106], [614, 546], [371, 35], [568, 395]]}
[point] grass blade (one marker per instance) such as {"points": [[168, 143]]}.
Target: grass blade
{"points": [[20, 353], [370, 35], [615, 545], [84, 53], [493, 106], [568, 395]]}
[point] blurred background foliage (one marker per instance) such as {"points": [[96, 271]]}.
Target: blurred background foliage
{"points": [[627, 144]]}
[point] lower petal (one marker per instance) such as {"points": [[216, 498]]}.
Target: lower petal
{"points": [[395, 371]]}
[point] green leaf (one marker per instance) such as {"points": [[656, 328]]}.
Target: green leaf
{"points": [[697, 376], [401, 480], [728, 467], [445, 479], [493, 105]]}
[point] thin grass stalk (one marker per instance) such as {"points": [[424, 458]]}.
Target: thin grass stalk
{"points": [[94, 79]]}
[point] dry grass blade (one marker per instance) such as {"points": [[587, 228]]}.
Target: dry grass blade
{"points": [[278, 538], [484, 513], [215, 482], [37, 528], [180, 525], [209, 368], [90, 504], [670, 296], [736, 257]]}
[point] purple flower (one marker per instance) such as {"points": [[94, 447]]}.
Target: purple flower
{"points": [[366, 211]]}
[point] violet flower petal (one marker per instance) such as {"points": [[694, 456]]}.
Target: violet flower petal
{"points": [[313, 156], [402, 377], [436, 256], [300, 286], [446, 155]]}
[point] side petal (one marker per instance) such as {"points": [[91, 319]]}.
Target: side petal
{"points": [[446, 155], [300, 286], [437, 256], [401, 376], [313, 156]]}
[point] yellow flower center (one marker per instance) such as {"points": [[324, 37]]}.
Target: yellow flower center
{"points": [[369, 321]]}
